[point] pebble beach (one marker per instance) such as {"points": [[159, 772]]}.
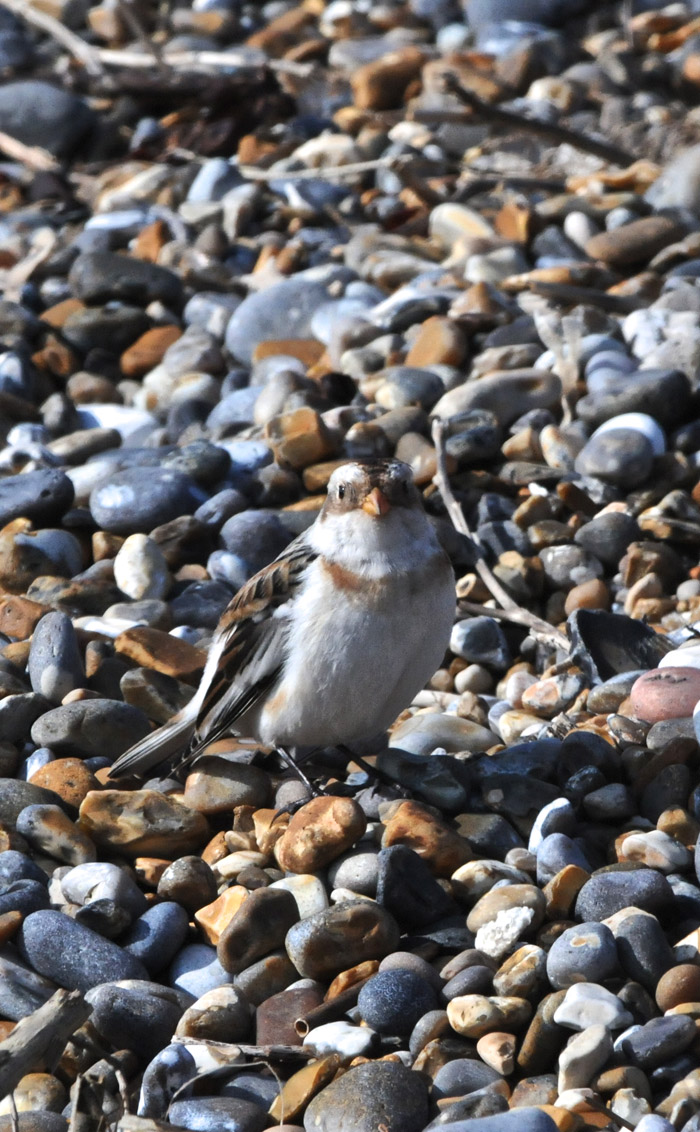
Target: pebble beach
{"points": [[241, 244]]}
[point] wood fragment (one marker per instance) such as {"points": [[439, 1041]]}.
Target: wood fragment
{"points": [[38, 1041], [33, 156], [552, 131], [195, 60]]}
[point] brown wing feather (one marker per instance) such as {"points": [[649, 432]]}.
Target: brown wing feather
{"points": [[252, 652]]}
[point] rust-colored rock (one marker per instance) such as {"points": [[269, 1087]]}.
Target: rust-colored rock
{"points": [[634, 242], [214, 917], [318, 833], [409, 823], [19, 616], [69, 778], [151, 648], [299, 437], [440, 341], [142, 823], [147, 351], [381, 84], [307, 350]]}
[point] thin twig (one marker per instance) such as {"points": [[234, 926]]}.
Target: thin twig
{"points": [[516, 617], [87, 55], [535, 624], [324, 173], [130, 17], [195, 60], [39, 1039], [33, 156], [550, 130]]}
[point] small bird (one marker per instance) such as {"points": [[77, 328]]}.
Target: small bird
{"points": [[330, 642]]}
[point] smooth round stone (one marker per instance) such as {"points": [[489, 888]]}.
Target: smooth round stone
{"points": [[55, 665], [556, 852], [34, 1122], [332, 941], [121, 506], [200, 605], [258, 927], [17, 714], [169, 1070], [100, 880], [42, 496], [644, 951], [506, 898], [666, 693], [472, 980], [608, 536], [522, 973], [619, 456], [613, 802], [218, 1114], [252, 538], [392, 1001], [188, 881], [407, 888], [157, 935], [51, 831], [663, 394], [140, 569], [480, 640], [98, 277], [14, 796], [210, 311], [72, 955], [587, 1004], [638, 422], [473, 1015], [658, 1041], [90, 727], [283, 310], [357, 870], [319, 832], [461, 1076], [343, 1038], [508, 394], [308, 891], [222, 1014], [585, 953], [679, 984], [656, 849], [407, 385], [422, 734], [367, 1096], [135, 1014], [568, 566], [196, 969], [217, 785], [608, 892]]}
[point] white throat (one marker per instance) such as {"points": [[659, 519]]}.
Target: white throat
{"points": [[399, 541]]}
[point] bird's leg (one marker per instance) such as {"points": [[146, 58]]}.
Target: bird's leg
{"points": [[373, 772], [314, 791]]}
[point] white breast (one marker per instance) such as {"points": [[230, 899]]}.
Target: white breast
{"points": [[356, 659]]}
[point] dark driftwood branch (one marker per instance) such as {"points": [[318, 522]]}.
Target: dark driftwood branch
{"points": [[38, 1040], [553, 132], [510, 610]]}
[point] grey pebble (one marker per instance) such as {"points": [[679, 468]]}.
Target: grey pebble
{"points": [[90, 727], [42, 496], [98, 277], [585, 953], [218, 1114], [124, 508], [55, 666], [72, 955], [368, 1096], [157, 935], [608, 892], [135, 1014]]}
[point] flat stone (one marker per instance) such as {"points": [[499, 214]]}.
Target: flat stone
{"points": [[142, 823], [90, 727]]}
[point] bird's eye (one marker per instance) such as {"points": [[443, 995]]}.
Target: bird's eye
{"points": [[341, 491]]}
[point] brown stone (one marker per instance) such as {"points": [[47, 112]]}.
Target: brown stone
{"points": [[307, 350], [562, 890], [142, 823], [19, 616], [473, 1015], [85, 388], [680, 824], [147, 351], [382, 83], [409, 823], [9, 925], [319, 832], [258, 927], [150, 241], [593, 594], [56, 357], [151, 648], [440, 341], [350, 978], [149, 870], [298, 1090], [214, 917], [316, 476], [678, 985], [299, 437], [277, 1013], [503, 899], [498, 1050], [56, 315], [69, 778], [284, 31], [636, 241]]}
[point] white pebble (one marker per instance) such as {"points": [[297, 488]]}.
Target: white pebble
{"points": [[140, 569]]}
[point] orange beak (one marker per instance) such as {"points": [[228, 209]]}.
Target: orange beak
{"points": [[376, 503]]}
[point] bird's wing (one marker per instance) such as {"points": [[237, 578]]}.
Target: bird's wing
{"points": [[248, 651]]}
